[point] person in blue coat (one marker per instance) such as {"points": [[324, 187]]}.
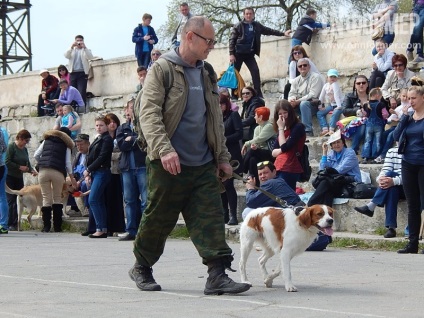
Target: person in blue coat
{"points": [[341, 159], [144, 37]]}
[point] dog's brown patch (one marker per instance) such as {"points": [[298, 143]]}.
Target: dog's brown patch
{"points": [[255, 223], [276, 216]]}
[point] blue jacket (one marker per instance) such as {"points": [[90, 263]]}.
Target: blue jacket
{"points": [[137, 38], [278, 187], [347, 163]]}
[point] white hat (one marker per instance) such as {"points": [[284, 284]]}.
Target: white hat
{"points": [[334, 137], [43, 71]]}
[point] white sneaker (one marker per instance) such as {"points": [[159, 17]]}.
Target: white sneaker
{"points": [[418, 59], [123, 234], [409, 55]]}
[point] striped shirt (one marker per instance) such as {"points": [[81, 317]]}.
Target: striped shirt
{"points": [[392, 162]]}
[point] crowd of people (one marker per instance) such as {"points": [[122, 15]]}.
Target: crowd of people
{"points": [[169, 164]]}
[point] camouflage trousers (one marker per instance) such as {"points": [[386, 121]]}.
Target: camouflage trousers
{"points": [[195, 193]]}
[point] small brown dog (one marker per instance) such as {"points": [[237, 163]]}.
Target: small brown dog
{"points": [[30, 197]]}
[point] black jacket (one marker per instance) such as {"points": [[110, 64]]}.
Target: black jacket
{"points": [[234, 133], [128, 147], [100, 153], [237, 36], [351, 104], [302, 32], [248, 113]]}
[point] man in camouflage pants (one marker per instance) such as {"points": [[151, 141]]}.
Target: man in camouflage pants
{"points": [[184, 131]]}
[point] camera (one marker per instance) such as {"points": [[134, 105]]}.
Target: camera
{"points": [[79, 43], [247, 178]]}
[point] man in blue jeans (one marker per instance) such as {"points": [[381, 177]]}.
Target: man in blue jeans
{"points": [[133, 168], [304, 94], [417, 33], [389, 191]]}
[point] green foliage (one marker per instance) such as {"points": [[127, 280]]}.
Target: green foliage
{"points": [[179, 232], [34, 113], [384, 245], [380, 230], [276, 14]]}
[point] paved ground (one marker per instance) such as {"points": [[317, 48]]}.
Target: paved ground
{"points": [[66, 275]]}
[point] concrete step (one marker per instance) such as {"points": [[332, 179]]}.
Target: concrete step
{"points": [[232, 232], [347, 219]]}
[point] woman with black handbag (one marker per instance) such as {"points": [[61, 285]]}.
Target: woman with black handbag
{"points": [[409, 133], [338, 169]]}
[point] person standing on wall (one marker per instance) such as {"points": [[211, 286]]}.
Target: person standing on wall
{"points": [[185, 15], [245, 42], [144, 37], [79, 57]]}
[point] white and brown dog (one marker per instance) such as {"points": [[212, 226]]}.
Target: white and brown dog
{"points": [[282, 231]]}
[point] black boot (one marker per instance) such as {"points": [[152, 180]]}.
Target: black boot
{"points": [[57, 217], [219, 283], [233, 219], [226, 215], [143, 277], [46, 216], [411, 248]]}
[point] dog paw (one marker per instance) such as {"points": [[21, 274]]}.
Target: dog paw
{"points": [[291, 288], [268, 282]]}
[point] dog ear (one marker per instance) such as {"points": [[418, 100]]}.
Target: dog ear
{"points": [[330, 211], [305, 217]]}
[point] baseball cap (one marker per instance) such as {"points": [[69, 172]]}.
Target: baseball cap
{"points": [[332, 72]]}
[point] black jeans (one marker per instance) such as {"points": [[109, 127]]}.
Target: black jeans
{"points": [[377, 79], [229, 197], [287, 88], [249, 60], [79, 81], [14, 184], [413, 186], [252, 158]]}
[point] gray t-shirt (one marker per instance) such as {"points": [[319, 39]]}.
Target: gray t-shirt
{"points": [[189, 139], [77, 66]]}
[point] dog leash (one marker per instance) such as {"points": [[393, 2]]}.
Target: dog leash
{"points": [[235, 164]]}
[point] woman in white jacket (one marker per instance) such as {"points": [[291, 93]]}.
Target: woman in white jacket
{"points": [[381, 65]]}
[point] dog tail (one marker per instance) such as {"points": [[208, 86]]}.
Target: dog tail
{"points": [[10, 191]]}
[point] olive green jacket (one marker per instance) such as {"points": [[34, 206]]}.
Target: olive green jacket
{"points": [[160, 114]]}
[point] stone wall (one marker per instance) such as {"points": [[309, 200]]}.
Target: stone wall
{"points": [[347, 50]]}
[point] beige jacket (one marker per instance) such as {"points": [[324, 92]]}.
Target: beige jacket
{"points": [[305, 88], [392, 85], [160, 114], [86, 56]]}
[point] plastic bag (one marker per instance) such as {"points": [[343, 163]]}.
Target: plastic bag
{"points": [[229, 78]]}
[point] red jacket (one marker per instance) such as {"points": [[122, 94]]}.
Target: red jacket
{"points": [[49, 84]]}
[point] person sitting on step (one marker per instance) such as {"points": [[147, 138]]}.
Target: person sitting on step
{"points": [[389, 191], [272, 184]]}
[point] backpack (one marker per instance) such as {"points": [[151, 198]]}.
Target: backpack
{"points": [[168, 80], [304, 162]]}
